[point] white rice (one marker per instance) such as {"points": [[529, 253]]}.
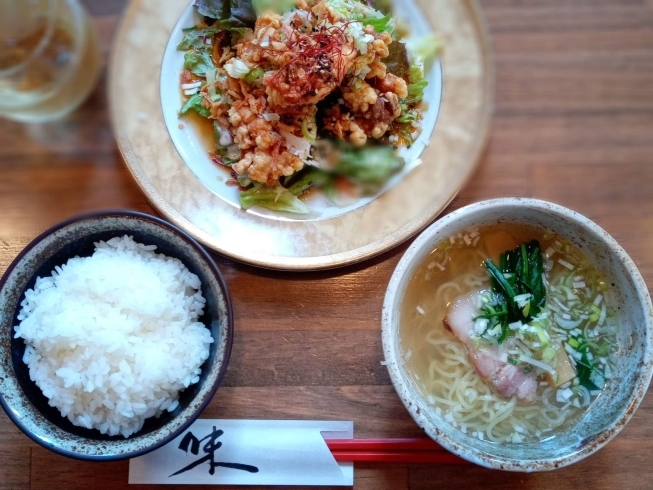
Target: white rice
{"points": [[112, 338]]}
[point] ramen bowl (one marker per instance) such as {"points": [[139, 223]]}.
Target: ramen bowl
{"points": [[633, 364], [25, 403]]}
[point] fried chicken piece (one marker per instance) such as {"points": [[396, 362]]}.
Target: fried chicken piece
{"points": [[359, 96], [357, 127], [265, 20], [306, 80], [267, 166], [323, 11], [394, 84], [266, 156], [368, 112], [377, 119], [509, 380], [344, 126], [380, 45], [377, 69], [369, 65], [220, 112]]}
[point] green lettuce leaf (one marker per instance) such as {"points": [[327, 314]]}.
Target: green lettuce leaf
{"points": [[415, 92], [425, 50], [311, 177], [194, 37], [223, 156], [229, 14], [380, 24], [384, 6], [415, 73], [397, 60], [355, 10], [275, 198], [405, 132], [194, 103], [409, 116], [215, 9], [277, 6], [198, 62], [370, 166]]}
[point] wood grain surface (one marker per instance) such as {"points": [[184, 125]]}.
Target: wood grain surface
{"points": [[573, 124]]}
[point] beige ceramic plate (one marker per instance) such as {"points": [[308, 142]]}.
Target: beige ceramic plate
{"points": [[316, 242]]}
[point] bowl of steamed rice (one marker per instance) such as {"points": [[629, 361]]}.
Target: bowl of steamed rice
{"points": [[115, 332], [518, 334]]}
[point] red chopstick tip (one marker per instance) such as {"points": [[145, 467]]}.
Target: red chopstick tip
{"points": [[421, 457], [420, 450]]}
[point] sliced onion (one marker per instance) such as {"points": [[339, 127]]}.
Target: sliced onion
{"points": [[225, 135], [536, 363], [234, 152], [585, 393], [186, 86], [545, 398], [554, 422], [210, 82], [603, 315], [236, 68], [296, 145], [567, 324]]}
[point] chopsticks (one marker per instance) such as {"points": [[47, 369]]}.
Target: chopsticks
{"points": [[416, 450]]}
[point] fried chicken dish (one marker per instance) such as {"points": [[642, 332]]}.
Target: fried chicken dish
{"points": [[284, 87]]}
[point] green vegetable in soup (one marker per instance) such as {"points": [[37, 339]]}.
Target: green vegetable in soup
{"points": [[517, 285]]}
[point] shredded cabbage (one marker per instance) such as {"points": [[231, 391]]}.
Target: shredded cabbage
{"points": [[236, 68], [422, 52], [296, 145], [360, 38], [275, 198], [354, 10]]}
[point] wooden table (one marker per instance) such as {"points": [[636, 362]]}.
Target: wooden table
{"points": [[573, 124]]}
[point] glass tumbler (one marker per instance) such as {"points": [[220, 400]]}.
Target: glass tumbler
{"points": [[49, 58]]}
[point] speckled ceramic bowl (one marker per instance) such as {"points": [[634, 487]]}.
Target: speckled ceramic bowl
{"points": [[611, 411], [25, 403]]}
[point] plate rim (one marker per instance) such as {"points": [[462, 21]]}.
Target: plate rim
{"points": [[318, 262]]}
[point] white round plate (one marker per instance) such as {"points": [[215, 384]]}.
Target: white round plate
{"points": [[170, 162]]}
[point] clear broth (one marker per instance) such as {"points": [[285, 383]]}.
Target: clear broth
{"points": [[431, 353]]}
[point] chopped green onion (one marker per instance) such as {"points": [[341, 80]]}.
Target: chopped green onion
{"points": [[309, 128]]}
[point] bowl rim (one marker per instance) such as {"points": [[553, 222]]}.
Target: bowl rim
{"points": [[125, 213], [482, 458]]}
